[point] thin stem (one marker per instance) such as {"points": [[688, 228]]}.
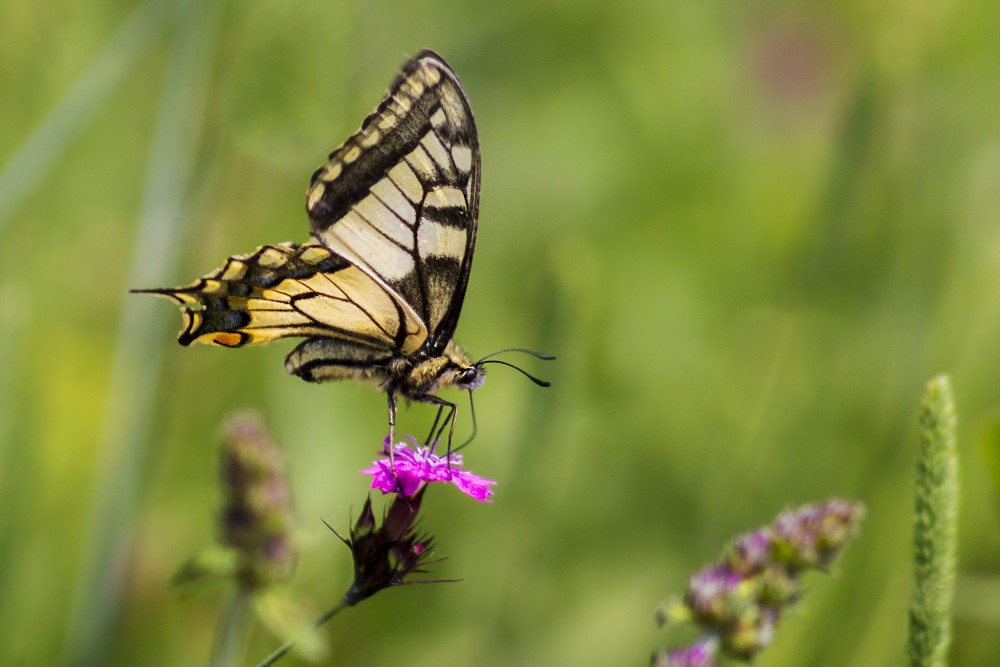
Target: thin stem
{"points": [[232, 629], [287, 646]]}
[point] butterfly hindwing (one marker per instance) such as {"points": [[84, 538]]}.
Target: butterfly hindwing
{"points": [[400, 198], [288, 290]]}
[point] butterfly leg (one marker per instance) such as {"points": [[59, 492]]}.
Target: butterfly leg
{"points": [[392, 428], [434, 427], [449, 421]]}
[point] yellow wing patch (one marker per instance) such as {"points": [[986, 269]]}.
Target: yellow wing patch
{"points": [[288, 290]]}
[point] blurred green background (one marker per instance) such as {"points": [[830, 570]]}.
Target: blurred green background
{"points": [[751, 233]]}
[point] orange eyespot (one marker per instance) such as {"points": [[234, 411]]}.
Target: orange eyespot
{"points": [[228, 339]]}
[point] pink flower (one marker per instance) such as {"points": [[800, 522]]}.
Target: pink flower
{"points": [[700, 654], [409, 469]]}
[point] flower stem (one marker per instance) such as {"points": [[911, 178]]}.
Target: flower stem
{"points": [[287, 646], [232, 627], [936, 520]]}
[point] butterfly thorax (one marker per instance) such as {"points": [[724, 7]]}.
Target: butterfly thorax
{"points": [[418, 377]]}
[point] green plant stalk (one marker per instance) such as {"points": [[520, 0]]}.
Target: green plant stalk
{"points": [[232, 629], [936, 521], [282, 650], [131, 393], [27, 168]]}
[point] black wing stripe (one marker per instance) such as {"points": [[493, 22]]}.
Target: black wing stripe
{"points": [[411, 173], [355, 167]]}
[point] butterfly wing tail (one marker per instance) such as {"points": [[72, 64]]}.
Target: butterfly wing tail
{"points": [[243, 303]]}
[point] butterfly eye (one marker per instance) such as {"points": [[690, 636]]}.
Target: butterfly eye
{"points": [[470, 378]]}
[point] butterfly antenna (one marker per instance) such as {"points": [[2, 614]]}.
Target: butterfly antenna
{"points": [[537, 355], [540, 383]]}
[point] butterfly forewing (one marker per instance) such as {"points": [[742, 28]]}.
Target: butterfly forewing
{"points": [[288, 290], [400, 198]]}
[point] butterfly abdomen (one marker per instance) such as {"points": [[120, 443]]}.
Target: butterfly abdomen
{"points": [[416, 378]]}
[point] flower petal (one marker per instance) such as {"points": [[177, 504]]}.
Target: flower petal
{"points": [[406, 470], [473, 485]]}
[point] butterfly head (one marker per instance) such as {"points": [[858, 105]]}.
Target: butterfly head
{"points": [[470, 377], [459, 372]]}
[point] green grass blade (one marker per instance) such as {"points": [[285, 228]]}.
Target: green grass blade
{"points": [[27, 168], [136, 365]]}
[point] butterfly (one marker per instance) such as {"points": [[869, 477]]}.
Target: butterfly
{"points": [[378, 291]]}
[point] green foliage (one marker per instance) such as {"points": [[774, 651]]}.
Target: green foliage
{"points": [[748, 233], [991, 454]]}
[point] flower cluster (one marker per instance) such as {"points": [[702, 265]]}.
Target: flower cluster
{"points": [[255, 518], [737, 602], [700, 654], [385, 555], [255, 538], [254, 522]]}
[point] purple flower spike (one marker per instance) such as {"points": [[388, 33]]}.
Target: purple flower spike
{"points": [[700, 654], [717, 593], [409, 469], [738, 601], [750, 553]]}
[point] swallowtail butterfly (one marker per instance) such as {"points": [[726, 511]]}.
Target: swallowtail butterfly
{"points": [[377, 293]]}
